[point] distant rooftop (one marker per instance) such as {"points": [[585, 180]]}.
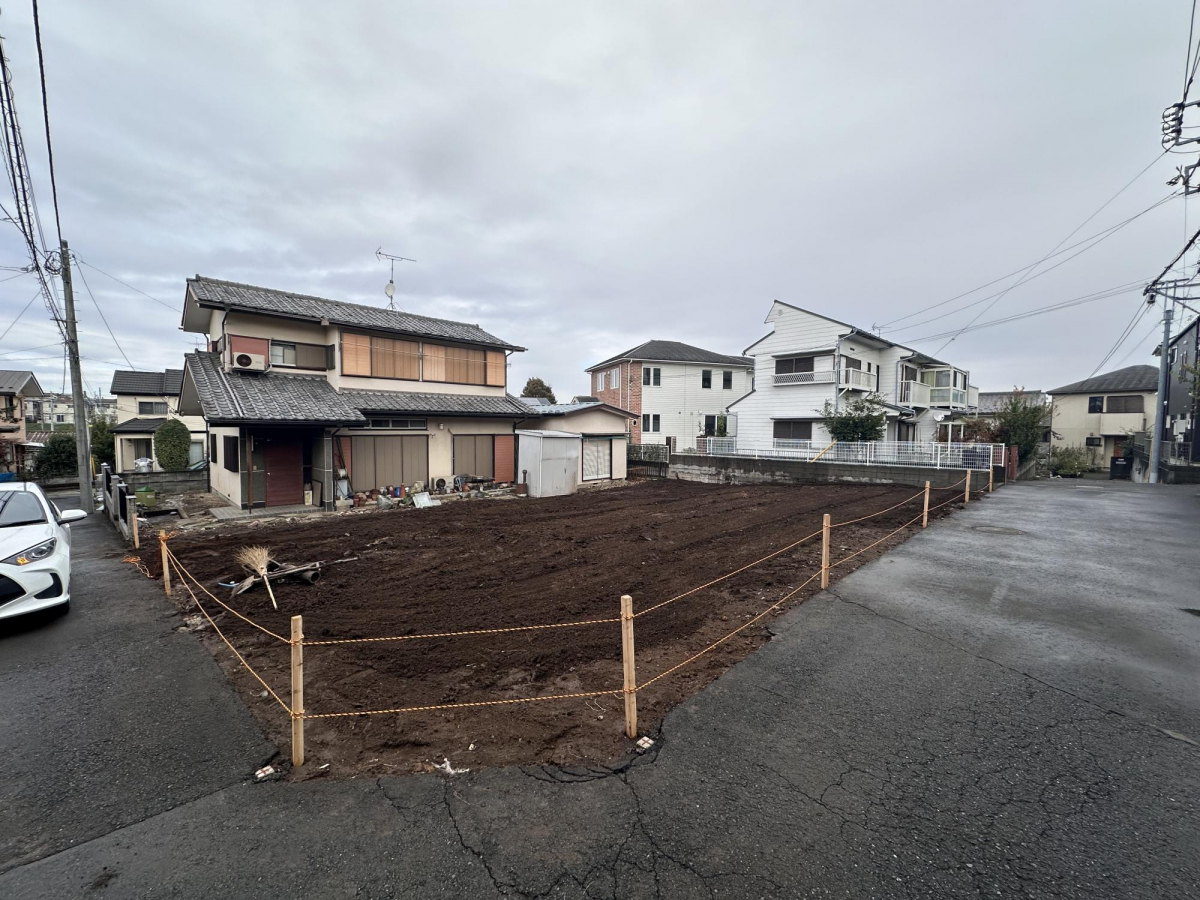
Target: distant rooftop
{"points": [[674, 351], [1131, 378]]}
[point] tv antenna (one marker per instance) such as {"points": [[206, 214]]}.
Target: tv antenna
{"points": [[390, 287]]}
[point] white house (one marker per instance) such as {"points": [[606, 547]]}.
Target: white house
{"points": [[145, 400], [676, 392], [809, 359]]}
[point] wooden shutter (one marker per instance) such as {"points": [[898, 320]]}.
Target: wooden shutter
{"points": [[408, 359], [496, 368], [310, 356], [356, 354], [433, 362], [383, 358]]}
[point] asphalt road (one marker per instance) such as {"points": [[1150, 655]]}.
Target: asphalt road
{"points": [[1006, 705]]}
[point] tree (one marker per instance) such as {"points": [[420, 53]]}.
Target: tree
{"points": [[172, 441], [103, 448], [863, 419], [57, 458], [1020, 422], [535, 387]]}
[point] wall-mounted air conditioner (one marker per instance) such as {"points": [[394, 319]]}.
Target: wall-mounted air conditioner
{"points": [[249, 362]]}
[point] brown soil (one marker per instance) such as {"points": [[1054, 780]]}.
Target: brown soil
{"points": [[493, 564]]}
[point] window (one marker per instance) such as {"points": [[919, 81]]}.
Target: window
{"points": [[1094, 441], [150, 408], [727, 381], [710, 426], [600, 379], [652, 376], [614, 378], [794, 364], [212, 448], [143, 448], [1095, 404], [650, 422], [941, 378], [60, 418], [407, 424], [231, 453], [1130, 403], [20, 508], [706, 378], [849, 362], [195, 452], [283, 354], [868, 368], [381, 357], [792, 430]]}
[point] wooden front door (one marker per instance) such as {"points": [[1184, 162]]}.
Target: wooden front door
{"points": [[283, 465]]}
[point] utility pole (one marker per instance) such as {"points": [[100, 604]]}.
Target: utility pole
{"points": [[83, 451], [1161, 398]]}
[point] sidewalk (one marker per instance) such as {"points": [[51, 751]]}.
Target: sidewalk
{"points": [[980, 712]]}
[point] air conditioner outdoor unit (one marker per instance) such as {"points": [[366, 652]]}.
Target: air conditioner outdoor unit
{"points": [[250, 362]]}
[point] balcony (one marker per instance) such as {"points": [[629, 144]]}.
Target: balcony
{"points": [[914, 393], [857, 380], [790, 378], [972, 396]]}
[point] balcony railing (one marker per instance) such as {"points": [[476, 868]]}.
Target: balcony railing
{"points": [[788, 378], [914, 393], [944, 396], [972, 396], [857, 379]]}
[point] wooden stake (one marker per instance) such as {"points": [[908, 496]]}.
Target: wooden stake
{"points": [[131, 504], [925, 512], [627, 658], [991, 477], [967, 489], [297, 690], [825, 552], [162, 544]]}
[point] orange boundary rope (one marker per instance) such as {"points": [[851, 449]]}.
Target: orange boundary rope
{"points": [[179, 566], [408, 709]]}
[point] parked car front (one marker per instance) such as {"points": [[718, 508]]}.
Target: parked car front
{"points": [[35, 550]]}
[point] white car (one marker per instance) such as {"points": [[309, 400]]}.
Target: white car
{"points": [[35, 550]]}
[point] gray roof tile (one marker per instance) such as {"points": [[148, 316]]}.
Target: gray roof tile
{"points": [[14, 382], [215, 293], [674, 351], [138, 426], [1131, 378], [152, 383], [430, 404]]}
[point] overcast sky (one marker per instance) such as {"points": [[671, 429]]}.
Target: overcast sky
{"points": [[578, 178]]}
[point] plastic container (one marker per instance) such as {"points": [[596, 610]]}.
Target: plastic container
{"points": [[146, 496]]}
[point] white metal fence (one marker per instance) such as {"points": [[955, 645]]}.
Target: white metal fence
{"points": [[880, 453]]}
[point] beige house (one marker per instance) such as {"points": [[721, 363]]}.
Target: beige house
{"points": [[145, 400], [16, 387], [1101, 413], [307, 398], [604, 429]]}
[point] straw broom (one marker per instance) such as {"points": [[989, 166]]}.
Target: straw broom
{"points": [[256, 559]]}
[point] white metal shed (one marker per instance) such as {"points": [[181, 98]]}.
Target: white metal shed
{"points": [[548, 461]]}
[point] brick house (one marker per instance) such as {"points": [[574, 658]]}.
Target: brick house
{"points": [[676, 392]]}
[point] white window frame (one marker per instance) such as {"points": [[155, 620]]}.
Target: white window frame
{"points": [[286, 349], [651, 376]]}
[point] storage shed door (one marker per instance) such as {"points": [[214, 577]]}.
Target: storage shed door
{"points": [[473, 455], [597, 458]]}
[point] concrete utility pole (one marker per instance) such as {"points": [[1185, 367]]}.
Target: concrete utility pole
{"points": [[83, 450], [1161, 398]]}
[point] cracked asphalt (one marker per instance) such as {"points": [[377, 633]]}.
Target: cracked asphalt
{"points": [[1005, 705]]}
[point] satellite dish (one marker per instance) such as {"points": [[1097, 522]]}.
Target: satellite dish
{"points": [[939, 417], [390, 289]]}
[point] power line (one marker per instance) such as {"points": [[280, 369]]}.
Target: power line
{"points": [[1138, 314], [21, 313], [1098, 234], [37, 31], [104, 319], [1142, 340], [130, 286], [1023, 278]]}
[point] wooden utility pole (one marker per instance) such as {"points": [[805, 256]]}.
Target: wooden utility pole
{"points": [[83, 448]]}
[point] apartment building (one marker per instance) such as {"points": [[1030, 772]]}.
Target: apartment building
{"points": [[676, 392], [305, 397], [809, 359]]}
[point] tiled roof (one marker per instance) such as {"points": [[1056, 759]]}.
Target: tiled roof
{"points": [[14, 382], [212, 292], [432, 404], [1131, 378], [674, 351], [562, 409], [150, 383], [138, 426], [272, 397], [993, 401], [267, 397]]}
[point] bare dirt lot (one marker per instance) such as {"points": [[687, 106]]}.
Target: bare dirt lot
{"points": [[496, 564]]}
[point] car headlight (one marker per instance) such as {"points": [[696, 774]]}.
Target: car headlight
{"points": [[33, 554]]}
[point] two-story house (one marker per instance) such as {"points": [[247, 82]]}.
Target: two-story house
{"points": [[51, 412], [16, 389], [1101, 413], [303, 394], [676, 392], [145, 400], [1183, 395], [809, 359]]}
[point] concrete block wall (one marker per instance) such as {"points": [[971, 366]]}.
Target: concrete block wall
{"points": [[187, 482], [744, 470]]}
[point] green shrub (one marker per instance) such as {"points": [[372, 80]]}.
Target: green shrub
{"points": [[1069, 461], [859, 420], [57, 458], [172, 441], [103, 449]]}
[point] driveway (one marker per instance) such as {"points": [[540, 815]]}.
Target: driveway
{"points": [[1005, 705]]}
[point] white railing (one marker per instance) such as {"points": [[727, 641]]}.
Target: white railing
{"points": [[883, 453], [857, 379], [914, 393], [972, 396], [786, 378], [944, 396]]}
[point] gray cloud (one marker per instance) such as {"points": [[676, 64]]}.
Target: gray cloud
{"points": [[581, 177]]}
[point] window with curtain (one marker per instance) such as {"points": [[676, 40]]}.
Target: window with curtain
{"points": [[794, 364], [1132, 403], [792, 430]]}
